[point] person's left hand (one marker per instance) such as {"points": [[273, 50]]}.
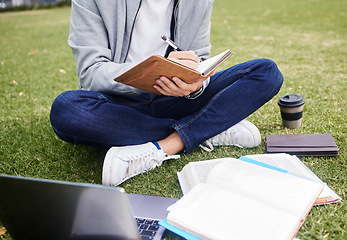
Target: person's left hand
{"points": [[178, 88]]}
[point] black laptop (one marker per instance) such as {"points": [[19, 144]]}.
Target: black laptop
{"points": [[46, 209]]}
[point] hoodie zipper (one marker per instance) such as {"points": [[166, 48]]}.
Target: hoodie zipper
{"points": [[175, 20], [132, 29], [173, 28]]}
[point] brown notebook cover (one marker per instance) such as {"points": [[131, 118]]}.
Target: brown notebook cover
{"points": [[144, 75], [302, 144]]}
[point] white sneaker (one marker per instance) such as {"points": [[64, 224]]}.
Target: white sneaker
{"points": [[122, 163], [243, 134]]}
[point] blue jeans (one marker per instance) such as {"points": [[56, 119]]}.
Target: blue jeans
{"points": [[97, 119]]}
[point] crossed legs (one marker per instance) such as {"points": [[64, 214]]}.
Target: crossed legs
{"points": [[91, 118]]}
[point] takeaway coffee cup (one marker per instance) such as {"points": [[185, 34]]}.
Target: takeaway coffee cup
{"points": [[291, 106]]}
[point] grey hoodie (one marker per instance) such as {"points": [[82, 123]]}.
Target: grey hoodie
{"points": [[101, 30]]}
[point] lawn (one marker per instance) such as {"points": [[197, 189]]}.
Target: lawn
{"points": [[306, 38]]}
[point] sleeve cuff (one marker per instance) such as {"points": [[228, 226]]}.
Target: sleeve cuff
{"points": [[197, 93]]}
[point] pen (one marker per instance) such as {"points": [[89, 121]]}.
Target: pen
{"points": [[171, 43]]}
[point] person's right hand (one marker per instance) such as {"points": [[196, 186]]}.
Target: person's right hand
{"points": [[187, 58]]}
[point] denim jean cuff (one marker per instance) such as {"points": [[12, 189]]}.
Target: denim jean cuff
{"points": [[188, 146]]}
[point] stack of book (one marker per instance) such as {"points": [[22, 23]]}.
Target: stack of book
{"points": [[265, 196]]}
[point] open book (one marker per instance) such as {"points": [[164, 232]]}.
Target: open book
{"points": [[144, 74], [244, 200], [197, 172]]}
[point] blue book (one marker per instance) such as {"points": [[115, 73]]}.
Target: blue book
{"points": [[178, 231]]}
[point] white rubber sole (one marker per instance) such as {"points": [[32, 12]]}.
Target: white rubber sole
{"points": [[254, 131], [108, 165]]}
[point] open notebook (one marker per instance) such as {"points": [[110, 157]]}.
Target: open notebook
{"points": [[144, 75]]}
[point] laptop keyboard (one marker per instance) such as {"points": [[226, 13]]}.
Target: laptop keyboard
{"points": [[147, 228]]}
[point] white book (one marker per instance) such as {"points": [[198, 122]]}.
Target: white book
{"points": [[197, 172], [243, 200]]}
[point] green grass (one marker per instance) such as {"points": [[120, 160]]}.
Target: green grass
{"points": [[307, 39]]}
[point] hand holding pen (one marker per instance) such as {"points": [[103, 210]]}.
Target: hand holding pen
{"points": [[175, 86], [187, 58]]}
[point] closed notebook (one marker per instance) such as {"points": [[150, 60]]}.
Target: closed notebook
{"points": [[144, 75], [302, 144]]}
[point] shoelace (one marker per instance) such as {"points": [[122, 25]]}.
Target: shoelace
{"points": [[147, 161], [224, 138]]}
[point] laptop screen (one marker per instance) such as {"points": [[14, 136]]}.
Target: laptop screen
{"points": [[44, 209]]}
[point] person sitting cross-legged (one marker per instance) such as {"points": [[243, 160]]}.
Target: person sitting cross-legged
{"points": [[143, 129]]}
